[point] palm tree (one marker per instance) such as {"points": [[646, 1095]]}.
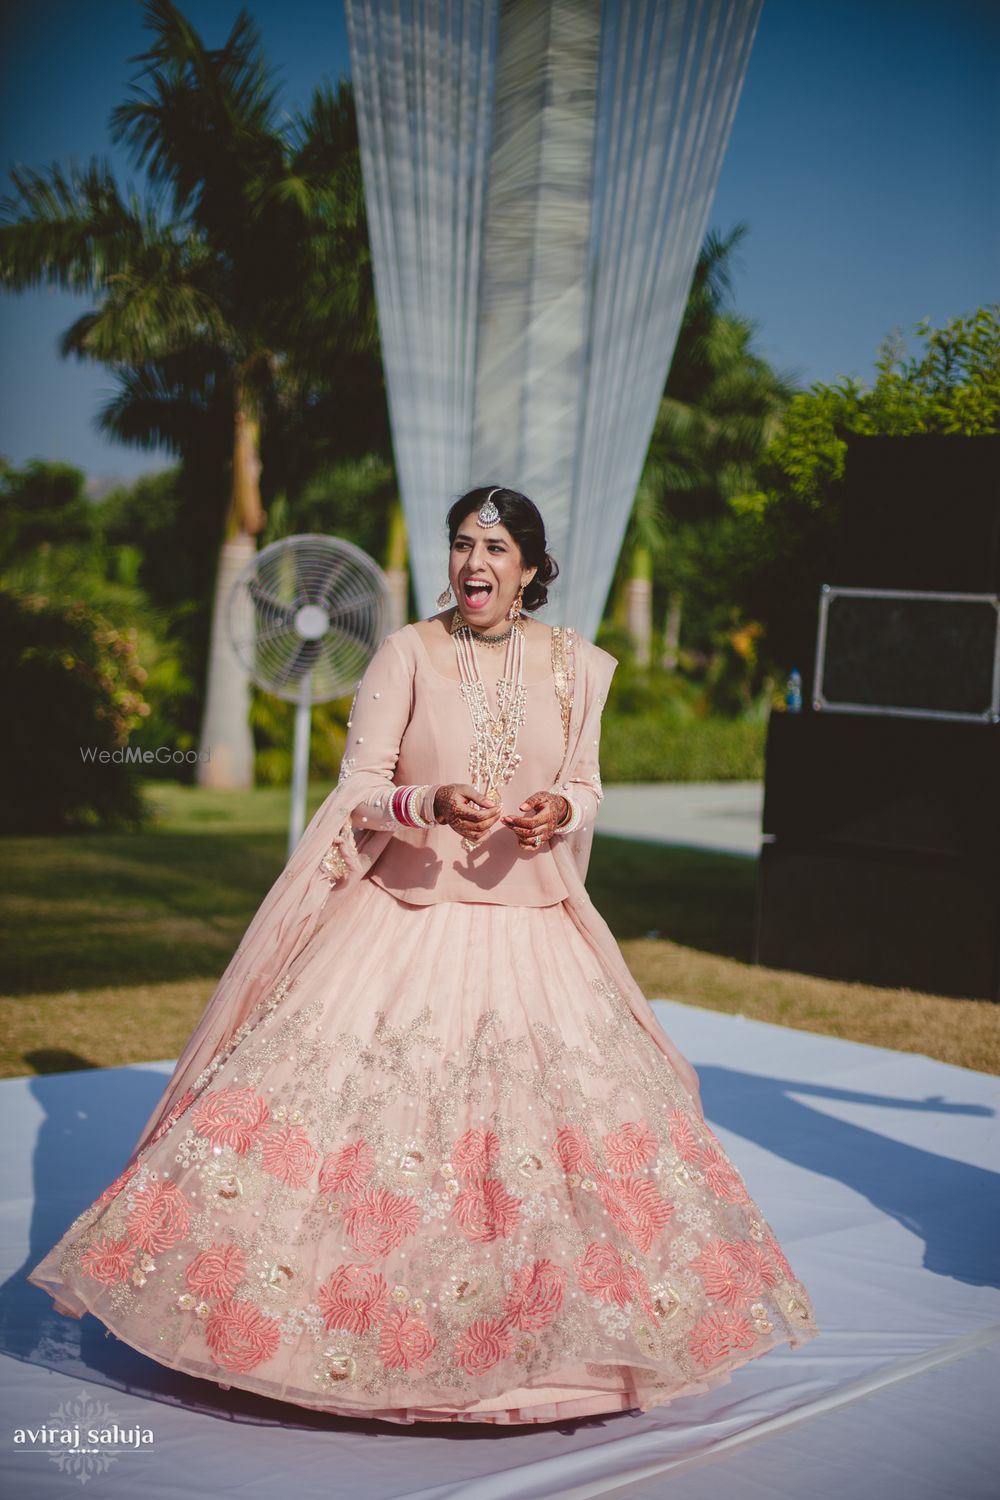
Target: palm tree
{"points": [[222, 319], [646, 543]]}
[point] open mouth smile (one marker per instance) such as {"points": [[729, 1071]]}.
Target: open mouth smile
{"points": [[476, 592]]}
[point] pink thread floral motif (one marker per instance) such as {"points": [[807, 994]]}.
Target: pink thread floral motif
{"points": [[722, 1177], [108, 1261], [115, 1187], [288, 1154], [682, 1137], [536, 1296], [354, 1298], [485, 1211], [483, 1344], [636, 1207], [718, 1333], [634, 1138], [631, 1147], [476, 1152], [405, 1341], [572, 1151], [160, 1217], [379, 1221], [734, 1272], [508, 1300], [240, 1337], [602, 1273], [216, 1272], [231, 1117], [347, 1170]]}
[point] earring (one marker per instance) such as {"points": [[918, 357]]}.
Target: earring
{"points": [[444, 596], [515, 608]]}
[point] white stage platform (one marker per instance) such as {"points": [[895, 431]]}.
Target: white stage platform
{"points": [[877, 1169]]}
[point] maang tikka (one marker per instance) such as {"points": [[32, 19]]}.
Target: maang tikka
{"points": [[488, 513], [488, 516]]}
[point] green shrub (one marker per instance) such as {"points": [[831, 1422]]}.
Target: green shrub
{"points": [[663, 725], [273, 722], [75, 686], [659, 747], [637, 692]]}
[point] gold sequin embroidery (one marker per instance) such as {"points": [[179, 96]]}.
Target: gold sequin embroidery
{"points": [[561, 645]]}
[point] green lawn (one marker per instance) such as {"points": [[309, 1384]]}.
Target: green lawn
{"points": [[113, 942]]}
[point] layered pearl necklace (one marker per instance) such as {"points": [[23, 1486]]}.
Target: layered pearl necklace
{"points": [[493, 756]]}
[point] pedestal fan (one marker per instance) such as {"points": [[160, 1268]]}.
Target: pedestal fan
{"points": [[305, 618]]}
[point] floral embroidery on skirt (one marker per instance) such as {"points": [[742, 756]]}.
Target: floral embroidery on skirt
{"points": [[441, 1173]]}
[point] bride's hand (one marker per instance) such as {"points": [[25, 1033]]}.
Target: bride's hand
{"points": [[537, 817], [467, 811]]}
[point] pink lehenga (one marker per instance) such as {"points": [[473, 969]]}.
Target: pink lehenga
{"points": [[428, 1155]]}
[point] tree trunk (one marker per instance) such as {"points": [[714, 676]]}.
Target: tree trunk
{"points": [[639, 603], [672, 632], [619, 603], [226, 758], [395, 568]]}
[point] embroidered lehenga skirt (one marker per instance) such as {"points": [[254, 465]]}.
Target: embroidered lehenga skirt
{"points": [[444, 1176]]}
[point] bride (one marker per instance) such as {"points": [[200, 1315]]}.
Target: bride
{"points": [[428, 1155]]}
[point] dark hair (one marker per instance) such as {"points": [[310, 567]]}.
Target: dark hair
{"points": [[523, 520]]}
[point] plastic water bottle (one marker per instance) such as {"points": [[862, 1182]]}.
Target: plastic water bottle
{"points": [[793, 692]]}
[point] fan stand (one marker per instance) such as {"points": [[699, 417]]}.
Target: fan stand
{"points": [[311, 623], [300, 765]]}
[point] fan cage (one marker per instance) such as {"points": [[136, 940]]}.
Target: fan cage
{"points": [[274, 628]]}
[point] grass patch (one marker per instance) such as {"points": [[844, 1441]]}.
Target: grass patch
{"points": [[113, 943], [659, 746]]}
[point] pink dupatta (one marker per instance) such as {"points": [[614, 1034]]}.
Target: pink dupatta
{"points": [[325, 867]]}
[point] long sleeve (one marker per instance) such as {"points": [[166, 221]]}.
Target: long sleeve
{"points": [[380, 712]]}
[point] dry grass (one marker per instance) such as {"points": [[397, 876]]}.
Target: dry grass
{"points": [[964, 1032], [100, 1028]]}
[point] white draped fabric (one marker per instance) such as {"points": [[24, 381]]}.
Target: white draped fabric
{"points": [[538, 175]]}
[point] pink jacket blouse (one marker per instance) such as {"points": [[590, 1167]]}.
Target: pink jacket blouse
{"points": [[411, 725]]}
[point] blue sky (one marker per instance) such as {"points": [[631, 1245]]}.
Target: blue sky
{"points": [[865, 159]]}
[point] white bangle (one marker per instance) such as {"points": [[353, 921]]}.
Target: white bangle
{"points": [[420, 819], [575, 817]]}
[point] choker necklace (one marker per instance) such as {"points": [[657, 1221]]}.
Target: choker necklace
{"points": [[458, 623]]}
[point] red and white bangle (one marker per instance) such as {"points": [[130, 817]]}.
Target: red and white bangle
{"points": [[404, 806]]}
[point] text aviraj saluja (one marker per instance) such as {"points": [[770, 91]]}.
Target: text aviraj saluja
{"points": [[80, 1440]]}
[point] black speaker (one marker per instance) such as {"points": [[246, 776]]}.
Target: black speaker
{"points": [[883, 802], [860, 781], [890, 918], [919, 655]]}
